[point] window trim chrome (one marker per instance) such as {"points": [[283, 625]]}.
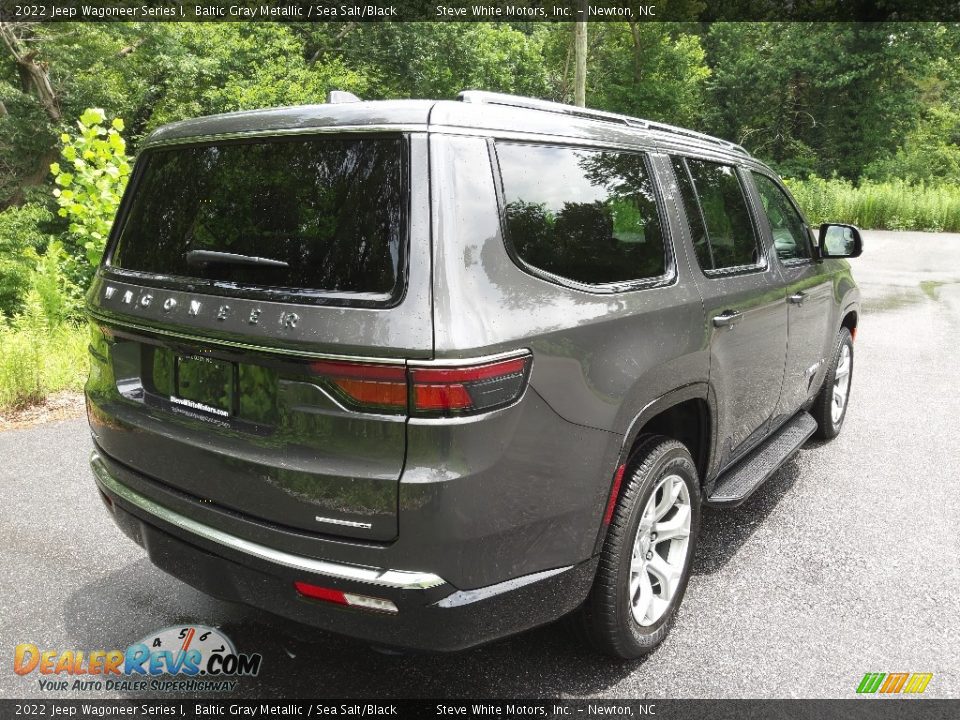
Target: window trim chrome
{"points": [[670, 274]]}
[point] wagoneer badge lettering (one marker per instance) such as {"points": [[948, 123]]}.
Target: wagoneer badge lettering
{"points": [[289, 319], [254, 316], [169, 304], [109, 292], [146, 300], [127, 297], [194, 307], [223, 312]]}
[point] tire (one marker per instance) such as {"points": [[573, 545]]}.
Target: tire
{"points": [[838, 380], [607, 620]]}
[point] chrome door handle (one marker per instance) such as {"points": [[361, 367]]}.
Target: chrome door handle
{"points": [[797, 298], [728, 318]]}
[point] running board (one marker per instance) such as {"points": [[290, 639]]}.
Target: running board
{"points": [[739, 482]]}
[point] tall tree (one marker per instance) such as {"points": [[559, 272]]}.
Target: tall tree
{"points": [[817, 97], [34, 81], [580, 63]]}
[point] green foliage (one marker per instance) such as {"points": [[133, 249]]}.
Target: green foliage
{"points": [[929, 154], [91, 180], [36, 360], [647, 70], [51, 289], [820, 98], [21, 238], [436, 60], [891, 205]]}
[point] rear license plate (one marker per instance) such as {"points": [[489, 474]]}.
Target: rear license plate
{"points": [[206, 384]]}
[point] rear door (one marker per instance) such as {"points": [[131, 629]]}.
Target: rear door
{"points": [[743, 298], [808, 292], [253, 320]]}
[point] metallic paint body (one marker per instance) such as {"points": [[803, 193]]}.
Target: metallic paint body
{"points": [[478, 501]]}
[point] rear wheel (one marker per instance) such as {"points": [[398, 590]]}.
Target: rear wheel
{"points": [[646, 557], [830, 407]]}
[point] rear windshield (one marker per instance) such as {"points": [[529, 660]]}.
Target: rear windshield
{"points": [[318, 214]]}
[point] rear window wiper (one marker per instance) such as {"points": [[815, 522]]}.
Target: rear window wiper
{"points": [[205, 257]]}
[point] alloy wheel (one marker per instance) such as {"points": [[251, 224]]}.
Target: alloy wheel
{"points": [[660, 550], [841, 385]]}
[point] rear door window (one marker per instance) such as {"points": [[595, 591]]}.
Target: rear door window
{"points": [[716, 207], [588, 216], [312, 215]]}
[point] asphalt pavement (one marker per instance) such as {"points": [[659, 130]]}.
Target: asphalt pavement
{"points": [[847, 561]]}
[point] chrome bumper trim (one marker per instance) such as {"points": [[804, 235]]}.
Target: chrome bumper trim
{"points": [[401, 579]]}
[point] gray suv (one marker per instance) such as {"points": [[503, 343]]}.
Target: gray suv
{"points": [[432, 373]]}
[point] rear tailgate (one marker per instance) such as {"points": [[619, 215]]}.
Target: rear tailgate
{"points": [[241, 277]]}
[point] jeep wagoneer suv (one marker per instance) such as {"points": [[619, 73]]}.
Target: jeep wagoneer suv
{"points": [[431, 373]]}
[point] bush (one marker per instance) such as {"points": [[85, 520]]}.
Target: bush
{"points": [[20, 239], [36, 360], [41, 349], [92, 180], [893, 205]]}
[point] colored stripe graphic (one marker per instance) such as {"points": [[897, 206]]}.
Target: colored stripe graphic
{"points": [[894, 683], [925, 679], [871, 682]]}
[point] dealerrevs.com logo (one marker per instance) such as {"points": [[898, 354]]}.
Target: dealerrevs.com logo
{"points": [[175, 659]]}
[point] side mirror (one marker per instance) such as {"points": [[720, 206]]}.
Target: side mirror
{"points": [[840, 241]]}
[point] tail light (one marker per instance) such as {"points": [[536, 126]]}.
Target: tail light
{"points": [[470, 389], [365, 386], [433, 391], [337, 597]]}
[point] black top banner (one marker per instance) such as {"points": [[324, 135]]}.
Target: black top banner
{"points": [[478, 10]]}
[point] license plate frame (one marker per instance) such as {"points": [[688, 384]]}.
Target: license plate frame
{"points": [[206, 383]]}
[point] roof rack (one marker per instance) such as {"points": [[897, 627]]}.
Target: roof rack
{"points": [[493, 98]]}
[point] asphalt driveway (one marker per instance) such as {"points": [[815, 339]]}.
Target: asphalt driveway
{"points": [[847, 561]]}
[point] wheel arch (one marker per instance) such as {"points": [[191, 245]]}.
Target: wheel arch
{"points": [[851, 316], [684, 414]]}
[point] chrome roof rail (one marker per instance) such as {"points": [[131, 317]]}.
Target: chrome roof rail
{"points": [[493, 98]]}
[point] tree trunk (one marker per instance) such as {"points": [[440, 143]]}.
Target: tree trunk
{"points": [[34, 79], [580, 68], [33, 75]]}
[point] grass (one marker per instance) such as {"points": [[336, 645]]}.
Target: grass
{"points": [[879, 206], [36, 361]]}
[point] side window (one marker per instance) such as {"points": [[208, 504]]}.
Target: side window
{"points": [[714, 198], [790, 236], [585, 215]]}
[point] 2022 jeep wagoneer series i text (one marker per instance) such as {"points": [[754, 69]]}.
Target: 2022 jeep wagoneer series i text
{"points": [[431, 373]]}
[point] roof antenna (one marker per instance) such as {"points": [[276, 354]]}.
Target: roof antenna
{"points": [[341, 96]]}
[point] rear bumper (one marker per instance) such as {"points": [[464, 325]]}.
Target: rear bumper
{"points": [[431, 613]]}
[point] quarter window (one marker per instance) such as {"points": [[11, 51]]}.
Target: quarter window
{"points": [[716, 207], [584, 215], [786, 226]]}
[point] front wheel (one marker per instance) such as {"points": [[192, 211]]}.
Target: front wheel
{"points": [[830, 407], [646, 557]]}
